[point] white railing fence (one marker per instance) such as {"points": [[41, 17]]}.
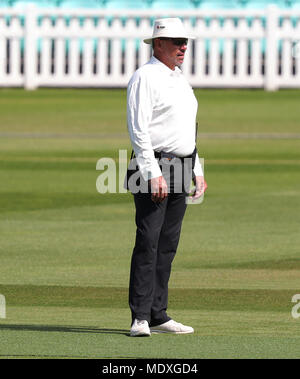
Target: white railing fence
{"points": [[102, 48]]}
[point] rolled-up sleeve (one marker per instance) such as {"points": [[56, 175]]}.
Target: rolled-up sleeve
{"points": [[140, 102]]}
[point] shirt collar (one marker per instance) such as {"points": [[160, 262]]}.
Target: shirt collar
{"points": [[176, 72]]}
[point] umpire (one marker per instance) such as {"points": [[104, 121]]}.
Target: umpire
{"points": [[161, 118]]}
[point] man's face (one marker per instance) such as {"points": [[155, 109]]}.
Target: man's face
{"points": [[173, 50]]}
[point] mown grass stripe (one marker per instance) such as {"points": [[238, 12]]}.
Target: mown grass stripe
{"points": [[23, 160], [124, 135], [271, 264], [179, 298]]}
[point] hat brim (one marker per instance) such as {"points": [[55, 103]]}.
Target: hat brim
{"points": [[149, 40]]}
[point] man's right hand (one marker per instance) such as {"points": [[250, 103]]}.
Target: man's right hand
{"points": [[159, 189]]}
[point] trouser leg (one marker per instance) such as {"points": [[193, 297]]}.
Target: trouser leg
{"points": [[149, 221], [157, 237], [167, 246]]}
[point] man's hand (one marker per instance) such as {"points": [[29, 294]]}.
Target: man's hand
{"points": [[159, 189], [201, 186]]}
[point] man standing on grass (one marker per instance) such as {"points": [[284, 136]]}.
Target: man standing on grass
{"points": [[161, 117]]}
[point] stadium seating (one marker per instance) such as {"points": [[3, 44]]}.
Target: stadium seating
{"points": [[211, 4], [5, 3], [175, 4], [94, 4], [295, 4], [260, 4], [126, 4], [155, 4], [40, 3]]}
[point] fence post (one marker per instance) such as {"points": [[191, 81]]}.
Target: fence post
{"points": [[30, 57], [271, 60]]}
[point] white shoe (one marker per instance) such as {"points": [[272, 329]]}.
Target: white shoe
{"points": [[140, 328], [172, 326]]}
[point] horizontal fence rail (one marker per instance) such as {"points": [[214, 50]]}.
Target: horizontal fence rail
{"points": [[53, 47]]}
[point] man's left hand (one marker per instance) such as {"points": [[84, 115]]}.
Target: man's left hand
{"points": [[201, 186]]}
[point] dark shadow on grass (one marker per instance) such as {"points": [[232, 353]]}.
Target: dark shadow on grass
{"points": [[58, 328]]}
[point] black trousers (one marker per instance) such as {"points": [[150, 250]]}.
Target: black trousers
{"points": [[157, 237]]}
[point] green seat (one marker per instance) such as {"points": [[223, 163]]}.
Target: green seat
{"points": [[126, 4], [6, 3], [39, 3], [80, 4], [173, 4]]}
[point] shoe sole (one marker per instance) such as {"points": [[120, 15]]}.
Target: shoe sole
{"points": [[140, 334], [169, 332]]}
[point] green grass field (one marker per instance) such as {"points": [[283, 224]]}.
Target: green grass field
{"points": [[65, 249]]}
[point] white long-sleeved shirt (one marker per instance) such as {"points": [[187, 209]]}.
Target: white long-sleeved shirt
{"points": [[161, 116]]}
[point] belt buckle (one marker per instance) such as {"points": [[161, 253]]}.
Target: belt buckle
{"points": [[167, 156]]}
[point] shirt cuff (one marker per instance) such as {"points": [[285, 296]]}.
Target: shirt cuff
{"points": [[149, 171], [198, 170]]}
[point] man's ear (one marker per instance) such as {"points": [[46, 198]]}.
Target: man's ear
{"points": [[156, 44]]}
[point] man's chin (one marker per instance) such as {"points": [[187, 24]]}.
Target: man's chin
{"points": [[179, 62]]}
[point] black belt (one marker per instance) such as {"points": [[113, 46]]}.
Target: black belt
{"points": [[170, 156]]}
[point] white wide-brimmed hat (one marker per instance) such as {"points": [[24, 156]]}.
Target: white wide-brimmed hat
{"points": [[169, 28]]}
